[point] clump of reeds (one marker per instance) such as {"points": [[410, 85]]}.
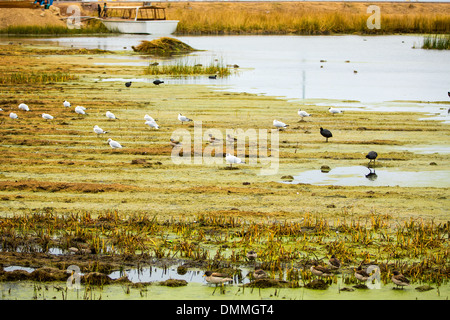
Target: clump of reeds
{"points": [[163, 46], [439, 42], [35, 77], [184, 68]]}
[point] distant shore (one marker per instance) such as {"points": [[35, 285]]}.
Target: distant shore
{"points": [[307, 17]]}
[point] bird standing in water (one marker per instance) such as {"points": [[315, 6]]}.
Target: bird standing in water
{"points": [[372, 155]]}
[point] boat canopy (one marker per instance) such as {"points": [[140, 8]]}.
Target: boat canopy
{"points": [[137, 13]]}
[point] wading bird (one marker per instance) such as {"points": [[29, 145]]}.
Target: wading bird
{"points": [[110, 115], [334, 262], [361, 274], [99, 130], [183, 118], [279, 124], [12, 115], [372, 155], [303, 114], [326, 133], [157, 82], [399, 279], [114, 144], [80, 110], [128, 84], [152, 124], [47, 116], [24, 107], [334, 111], [233, 159], [320, 271]]}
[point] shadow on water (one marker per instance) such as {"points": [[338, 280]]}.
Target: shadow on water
{"points": [[363, 176]]}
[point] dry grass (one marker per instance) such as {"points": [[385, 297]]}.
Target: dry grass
{"points": [[307, 18]]}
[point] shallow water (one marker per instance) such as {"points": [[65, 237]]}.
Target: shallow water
{"points": [[362, 176], [388, 67]]}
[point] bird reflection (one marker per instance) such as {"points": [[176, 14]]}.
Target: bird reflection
{"points": [[372, 176]]}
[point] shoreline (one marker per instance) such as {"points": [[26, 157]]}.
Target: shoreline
{"points": [[305, 18]]}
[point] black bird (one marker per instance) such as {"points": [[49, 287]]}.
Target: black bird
{"points": [[326, 133], [213, 77], [128, 84], [448, 93], [372, 155], [157, 82]]}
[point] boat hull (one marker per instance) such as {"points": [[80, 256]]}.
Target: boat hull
{"points": [[157, 27]]}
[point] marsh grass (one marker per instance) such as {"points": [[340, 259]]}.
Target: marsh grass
{"points": [[302, 18], [439, 42], [285, 250], [185, 68], [91, 28], [35, 77]]}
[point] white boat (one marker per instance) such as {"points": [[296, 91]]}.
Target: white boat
{"points": [[144, 19]]}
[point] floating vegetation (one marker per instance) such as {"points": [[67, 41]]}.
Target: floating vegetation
{"points": [[163, 46], [35, 77], [438, 42]]}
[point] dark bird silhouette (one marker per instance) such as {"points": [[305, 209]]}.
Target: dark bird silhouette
{"points": [[213, 77], [128, 84], [372, 155], [448, 93], [326, 133], [157, 82]]}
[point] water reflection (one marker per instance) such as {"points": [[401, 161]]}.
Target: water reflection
{"points": [[358, 176]]}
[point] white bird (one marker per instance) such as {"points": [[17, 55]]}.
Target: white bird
{"points": [[303, 114], [279, 124], [1, 109], [233, 159], [80, 110], [99, 130], [110, 115], [66, 103], [183, 118], [24, 107], [152, 124], [148, 118], [47, 116], [114, 144], [334, 110], [12, 115]]}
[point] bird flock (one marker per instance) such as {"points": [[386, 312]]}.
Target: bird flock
{"points": [[152, 124], [321, 271]]}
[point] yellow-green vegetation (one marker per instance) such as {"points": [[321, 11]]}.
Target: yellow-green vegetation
{"points": [[285, 249], [184, 68], [62, 185], [31, 77], [439, 42]]}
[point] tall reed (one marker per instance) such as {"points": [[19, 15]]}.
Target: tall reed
{"points": [[439, 42]]}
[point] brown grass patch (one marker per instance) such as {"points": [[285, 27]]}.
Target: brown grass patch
{"points": [[40, 186]]}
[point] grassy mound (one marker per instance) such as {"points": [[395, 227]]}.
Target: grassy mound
{"points": [[163, 46]]}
